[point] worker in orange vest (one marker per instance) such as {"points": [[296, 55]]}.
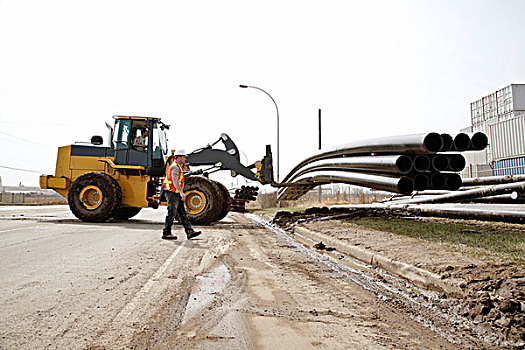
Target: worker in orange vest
{"points": [[173, 191]]}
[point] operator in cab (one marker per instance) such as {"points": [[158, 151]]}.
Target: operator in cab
{"points": [[140, 141], [173, 191]]}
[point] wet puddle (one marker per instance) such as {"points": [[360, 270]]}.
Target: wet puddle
{"points": [[208, 285]]}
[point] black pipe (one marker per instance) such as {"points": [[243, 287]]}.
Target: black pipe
{"points": [[461, 142], [421, 181], [456, 162], [437, 181], [389, 164], [401, 184], [479, 141], [452, 181], [419, 144], [421, 163], [448, 143], [439, 162]]}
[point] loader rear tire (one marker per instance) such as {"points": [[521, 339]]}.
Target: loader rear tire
{"points": [[94, 197], [202, 200], [225, 200], [124, 213]]}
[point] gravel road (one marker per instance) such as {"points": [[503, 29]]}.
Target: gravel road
{"points": [[72, 285]]}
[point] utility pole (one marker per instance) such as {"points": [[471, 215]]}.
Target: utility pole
{"points": [[319, 188]]}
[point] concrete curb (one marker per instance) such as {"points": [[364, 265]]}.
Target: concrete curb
{"points": [[414, 274]]}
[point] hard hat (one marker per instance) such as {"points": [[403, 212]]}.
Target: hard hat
{"points": [[180, 152]]}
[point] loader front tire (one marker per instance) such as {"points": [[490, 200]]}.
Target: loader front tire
{"points": [[94, 197], [225, 200], [202, 200]]}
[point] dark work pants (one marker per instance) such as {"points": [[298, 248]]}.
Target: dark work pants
{"points": [[175, 207]]}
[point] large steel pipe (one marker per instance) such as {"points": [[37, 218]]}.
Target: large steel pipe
{"points": [[400, 164], [437, 181], [448, 162], [464, 212], [479, 141], [461, 142], [421, 163], [448, 143], [419, 143], [452, 181], [492, 180], [421, 181], [474, 193], [456, 162], [507, 198], [439, 162], [401, 184]]}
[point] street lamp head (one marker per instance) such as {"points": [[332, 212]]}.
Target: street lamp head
{"points": [[243, 86]]}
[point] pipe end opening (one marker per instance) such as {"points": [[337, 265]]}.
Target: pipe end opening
{"points": [[405, 185], [433, 142], [479, 141], [461, 142]]}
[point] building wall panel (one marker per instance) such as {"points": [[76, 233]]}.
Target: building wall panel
{"points": [[507, 138], [518, 96]]}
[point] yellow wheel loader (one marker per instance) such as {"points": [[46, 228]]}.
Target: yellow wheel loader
{"points": [[118, 180]]}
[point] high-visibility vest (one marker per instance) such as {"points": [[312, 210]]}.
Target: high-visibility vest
{"points": [[168, 180], [140, 140]]}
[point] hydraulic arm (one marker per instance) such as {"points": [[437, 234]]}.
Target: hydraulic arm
{"points": [[229, 159]]}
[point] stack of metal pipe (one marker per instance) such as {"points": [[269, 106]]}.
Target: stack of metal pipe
{"points": [[243, 195], [509, 189], [398, 164], [246, 193]]}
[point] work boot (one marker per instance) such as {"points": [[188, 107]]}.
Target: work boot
{"points": [[191, 233], [169, 236]]}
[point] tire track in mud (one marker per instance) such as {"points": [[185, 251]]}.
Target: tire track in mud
{"points": [[206, 291]]}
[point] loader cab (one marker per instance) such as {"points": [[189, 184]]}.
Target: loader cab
{"points": [[140, 141]]}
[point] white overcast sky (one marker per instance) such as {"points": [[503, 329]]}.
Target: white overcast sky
{"points": [[375, 68]]}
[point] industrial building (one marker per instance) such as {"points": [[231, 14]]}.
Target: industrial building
{"points": [[501, 115]]}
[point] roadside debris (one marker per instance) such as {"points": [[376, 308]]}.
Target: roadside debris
{"points": [[322, 246], [494, 290]]}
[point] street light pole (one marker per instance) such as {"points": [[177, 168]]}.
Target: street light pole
{"points": [[277, 109]]}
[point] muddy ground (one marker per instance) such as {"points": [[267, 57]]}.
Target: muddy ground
{"points": [[242, 284], [494, 290]]}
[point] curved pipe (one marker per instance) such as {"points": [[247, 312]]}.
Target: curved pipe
{"points": [[390, 164], [419, 143], [401, 184]]}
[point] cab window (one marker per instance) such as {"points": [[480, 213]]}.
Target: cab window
{"points": [[123, 133]]}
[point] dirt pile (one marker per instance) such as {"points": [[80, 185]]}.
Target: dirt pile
{"points": [[494, 289], [496, 297]]}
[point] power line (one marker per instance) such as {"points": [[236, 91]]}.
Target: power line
{"points": [[30, 171], [28, 141], [33, 124]]}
